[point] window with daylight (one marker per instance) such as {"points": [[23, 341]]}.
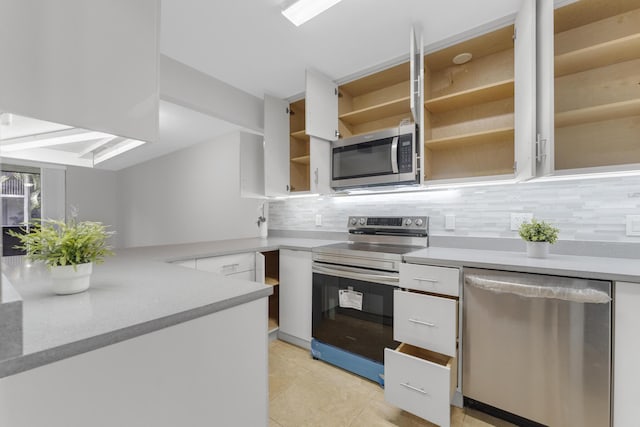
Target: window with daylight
{"points": [[21, 203]]}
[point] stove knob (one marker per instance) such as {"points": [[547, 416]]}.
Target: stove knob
{"points": [[407, 222], [419, 222], [363, 221], [354, 221]]}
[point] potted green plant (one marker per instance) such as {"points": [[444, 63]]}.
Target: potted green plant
{"points": [[69, 249], [538, 235]]}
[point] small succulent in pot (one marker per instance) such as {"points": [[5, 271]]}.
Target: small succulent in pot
{"points": [[538, 231]]}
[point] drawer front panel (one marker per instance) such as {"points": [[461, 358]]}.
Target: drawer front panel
{"points": [[227, 264], [427, 278], [425, 321], [418, 386]]}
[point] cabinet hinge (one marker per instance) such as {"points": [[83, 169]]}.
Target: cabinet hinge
{"points": [[287, 111], [515, 33], [540, 148], [515, 166]]}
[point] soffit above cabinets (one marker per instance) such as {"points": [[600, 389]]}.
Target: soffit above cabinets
{"points": [[249, 44]]}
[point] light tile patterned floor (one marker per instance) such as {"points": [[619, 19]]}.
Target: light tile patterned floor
{"points": [[306, 392]]}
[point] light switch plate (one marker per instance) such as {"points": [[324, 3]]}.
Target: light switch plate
{"points": [[517, 218], [633, 225], [450, 222]]}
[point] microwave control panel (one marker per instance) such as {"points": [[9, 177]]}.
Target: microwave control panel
{"points": [[405, 154]]}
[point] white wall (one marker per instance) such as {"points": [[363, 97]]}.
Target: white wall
{"points": [[187, 196], [94, 193]]}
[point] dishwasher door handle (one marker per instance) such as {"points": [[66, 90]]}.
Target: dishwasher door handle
{"points": [[506, 286]]}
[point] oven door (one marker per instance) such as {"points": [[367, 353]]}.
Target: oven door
{"points": [[353, 309]]}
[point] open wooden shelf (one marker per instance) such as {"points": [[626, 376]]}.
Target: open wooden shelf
{"points": [[271, 281], [598, 113], [302, 160], [470, 138], [377, 112], [601, 54], [300, 135], [478, 95]]}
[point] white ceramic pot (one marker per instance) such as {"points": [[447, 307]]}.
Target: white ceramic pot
{"points": [[69, 280], [537, 249]]}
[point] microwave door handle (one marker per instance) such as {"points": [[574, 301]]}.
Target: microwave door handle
{"points": [[394, 155]]}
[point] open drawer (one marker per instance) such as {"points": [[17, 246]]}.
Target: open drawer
{"points": [[421, 382]]}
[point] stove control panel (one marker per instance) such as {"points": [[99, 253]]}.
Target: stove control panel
{"points": [[364, 223]]}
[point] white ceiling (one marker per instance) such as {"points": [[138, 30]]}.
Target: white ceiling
{"points": [[249, 44]]}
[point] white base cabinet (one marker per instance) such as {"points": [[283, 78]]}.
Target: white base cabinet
{"points": [[212, 370], [295, 295], [626, 354]]}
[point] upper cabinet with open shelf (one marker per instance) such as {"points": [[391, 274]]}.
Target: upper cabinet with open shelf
{"points": [[594, 116]]}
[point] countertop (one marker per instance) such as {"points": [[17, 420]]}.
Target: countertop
{"points": [[615, 269], [135, 292]]}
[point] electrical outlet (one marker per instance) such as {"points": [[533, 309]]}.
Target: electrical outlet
{"points": [[633, 225], [450, 222], [517, 218], [318, 220]]}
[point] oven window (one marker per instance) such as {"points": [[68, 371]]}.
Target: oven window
{"points": [[364, 332], [365, 159]]}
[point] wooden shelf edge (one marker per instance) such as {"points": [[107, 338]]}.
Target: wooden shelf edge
{"points": [[271, 281], [300, 135], [302, 160], [374, 112], [476, 137], [487, 93], [606, 53], [598, 113]]}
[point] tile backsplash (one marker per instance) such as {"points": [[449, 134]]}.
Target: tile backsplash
{"points": [[584, 209]]}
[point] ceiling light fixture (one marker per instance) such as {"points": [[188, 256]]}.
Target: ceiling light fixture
{"points": [[303, 10]]}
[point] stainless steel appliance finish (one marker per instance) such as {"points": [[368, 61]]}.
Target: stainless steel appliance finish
{"points": [[370, 269], [538, 346], [387, 157]]}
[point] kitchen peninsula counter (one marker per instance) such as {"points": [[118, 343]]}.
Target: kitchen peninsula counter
{"points": [[135, 292]]}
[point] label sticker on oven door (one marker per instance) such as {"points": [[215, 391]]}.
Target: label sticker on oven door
{"points": [[350, 299]]}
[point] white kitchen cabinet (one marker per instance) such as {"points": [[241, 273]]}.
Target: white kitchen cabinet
{"points": [[321, 113], [89, 65], [252, 165], [589, 98], [276, 147], [626, 354], [236, 265], [421, 375], [295, 297]]}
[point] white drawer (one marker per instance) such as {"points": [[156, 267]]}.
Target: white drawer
{"points": [[425, 321], [438, 280], [420, 382], [228, 264]]}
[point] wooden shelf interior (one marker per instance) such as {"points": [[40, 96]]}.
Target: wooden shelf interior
{"points": [[272, 275], [469, 109], [375, 102], [299, 174], [597, 90]]}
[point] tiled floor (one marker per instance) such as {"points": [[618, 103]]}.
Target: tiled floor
{"points": [[307, 392]]}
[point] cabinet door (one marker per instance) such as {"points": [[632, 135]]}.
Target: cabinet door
{"points": [[295, 293], [626, 353], [545, 88], [320, 165], [321, 113], [525, 91], [252, 174], [416, 55], [276, 146], [260, 271], [91, 65]]}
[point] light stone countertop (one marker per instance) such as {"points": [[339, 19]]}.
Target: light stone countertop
{"points": [[614, 269], [133, 293]]}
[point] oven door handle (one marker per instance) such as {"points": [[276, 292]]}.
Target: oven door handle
{"points": [[357, 274]]}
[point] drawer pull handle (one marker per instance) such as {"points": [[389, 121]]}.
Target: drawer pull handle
{"points": [[410, 387], [230, 266], [424, 279], [421, 322]]}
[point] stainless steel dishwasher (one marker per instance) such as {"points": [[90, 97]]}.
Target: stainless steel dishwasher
{"points": [[537, 348]]}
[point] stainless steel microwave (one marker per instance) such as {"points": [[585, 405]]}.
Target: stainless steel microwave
{"points": [[387, 157]]}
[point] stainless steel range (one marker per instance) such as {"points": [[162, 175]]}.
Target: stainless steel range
{"points": [[353, 285]]}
